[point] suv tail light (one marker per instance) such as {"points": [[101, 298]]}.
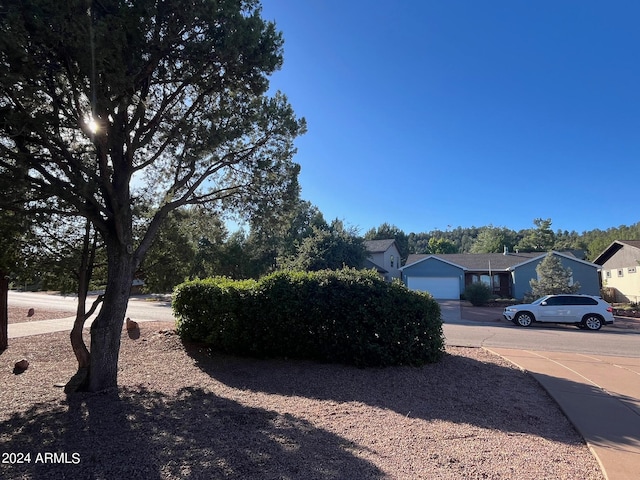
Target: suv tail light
{"points": [[610, 309]]}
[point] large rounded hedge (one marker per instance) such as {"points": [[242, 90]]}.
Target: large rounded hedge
{"points": [[347, 316]]}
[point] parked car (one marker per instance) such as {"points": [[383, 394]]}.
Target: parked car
{"points": [[584, 311]]}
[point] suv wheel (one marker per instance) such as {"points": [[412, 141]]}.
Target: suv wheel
{"points": [[524, 319], [592, 322]]}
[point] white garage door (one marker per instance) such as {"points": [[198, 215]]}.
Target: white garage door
{"points": [[446, 288]]}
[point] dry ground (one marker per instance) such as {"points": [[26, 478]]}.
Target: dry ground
{"points": [[183, 413]]}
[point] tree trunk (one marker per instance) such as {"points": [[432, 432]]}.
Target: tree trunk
{"points": [[107, 327], [79, 380], [4, 311]]}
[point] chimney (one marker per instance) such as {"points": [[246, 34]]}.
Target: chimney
{"points": [[506, 250]]}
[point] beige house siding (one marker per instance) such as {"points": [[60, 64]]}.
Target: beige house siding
{"points": [[625, 282], [621, 274]]}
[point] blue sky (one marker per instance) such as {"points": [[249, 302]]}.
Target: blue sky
{"points": [[436, 114]]}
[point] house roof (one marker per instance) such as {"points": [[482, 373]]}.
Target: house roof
{"points": [[378, 246], [486, 261], [613, 248], [478, 261]]}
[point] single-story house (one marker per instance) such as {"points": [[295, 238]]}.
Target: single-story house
{"points": [[383, 255], [620, 271], [446, 276]]}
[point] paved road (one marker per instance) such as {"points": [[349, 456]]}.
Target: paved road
{"points": [[141, 308], [543, 337]]}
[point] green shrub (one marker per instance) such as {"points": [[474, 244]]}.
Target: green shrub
{"points": [[478, 293], [346, 316]]}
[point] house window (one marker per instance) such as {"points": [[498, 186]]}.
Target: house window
{"points": [[631, 270], [607, 274], [391, 261], [481, 278], [487, 280], [620, 272]]}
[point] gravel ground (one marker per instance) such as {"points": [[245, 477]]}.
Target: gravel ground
{"points": [[181, 412]]}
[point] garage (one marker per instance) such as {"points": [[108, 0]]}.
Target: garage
{"points": [[446, 288]]}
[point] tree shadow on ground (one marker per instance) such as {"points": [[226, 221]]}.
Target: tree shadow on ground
{"points": [[141, 433], [458, 389]]}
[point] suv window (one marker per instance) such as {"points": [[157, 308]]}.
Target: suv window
{"points": [[555, 301], [581, 301], [571, 300]]}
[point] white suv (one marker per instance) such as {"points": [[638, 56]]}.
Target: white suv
{"points": [[584, 311]]}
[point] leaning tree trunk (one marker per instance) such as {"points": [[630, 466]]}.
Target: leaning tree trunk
{"points": [[107, 327]]}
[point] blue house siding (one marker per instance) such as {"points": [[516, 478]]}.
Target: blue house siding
{"points": [[521, 277], [586, 275], [433, 267], [583, 273], [520, 268]]}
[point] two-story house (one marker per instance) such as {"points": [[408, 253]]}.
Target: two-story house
{"points": [[620, 272], [384, 257]]}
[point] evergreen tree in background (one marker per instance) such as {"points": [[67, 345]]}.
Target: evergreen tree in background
{"points": [[553, 278], [540, 239], [333, 247]]}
